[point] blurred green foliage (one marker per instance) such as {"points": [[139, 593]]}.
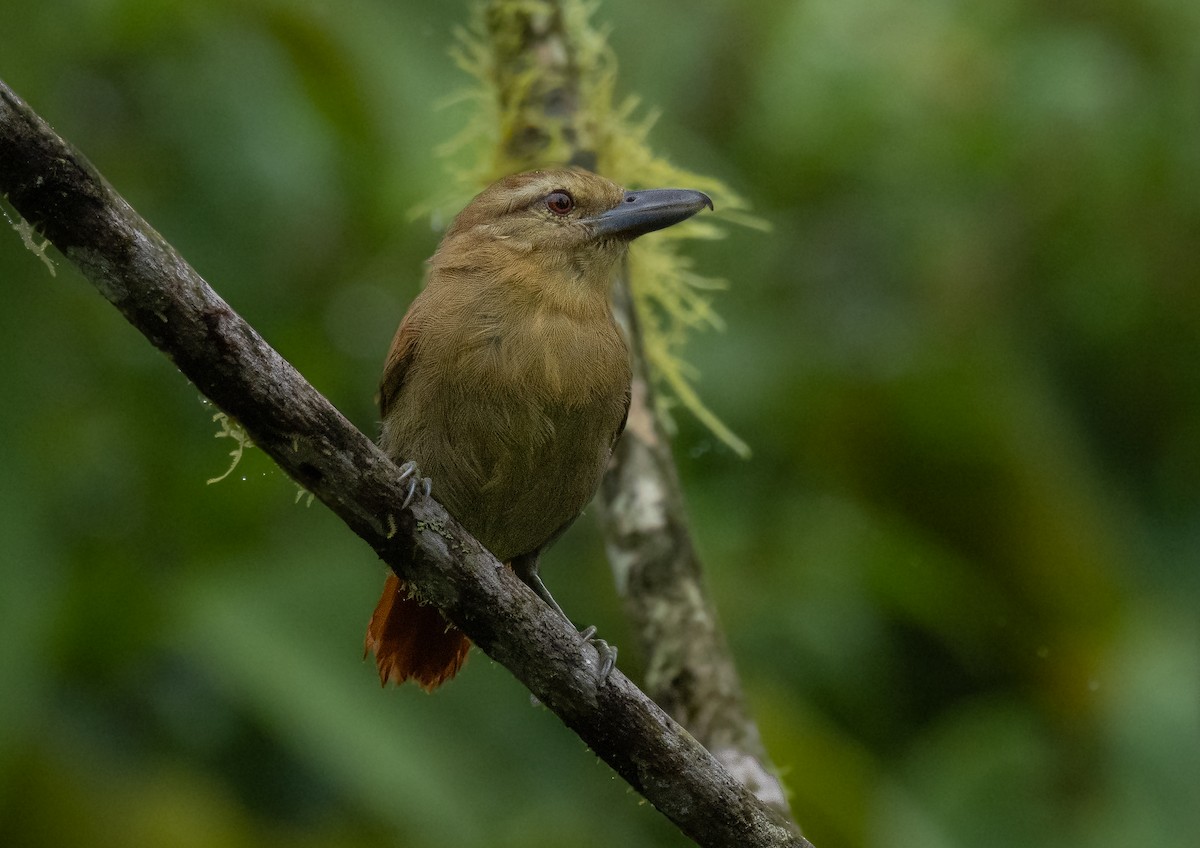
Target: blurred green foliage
{"points": [[959, 573]]}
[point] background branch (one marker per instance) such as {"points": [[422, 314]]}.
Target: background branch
{"points": [[690, 670], [61, 195]]}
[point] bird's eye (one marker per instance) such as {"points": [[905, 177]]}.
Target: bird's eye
{"points": [[559, 202]]}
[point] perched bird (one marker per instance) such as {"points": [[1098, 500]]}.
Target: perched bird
{"points": [[508, 382]]}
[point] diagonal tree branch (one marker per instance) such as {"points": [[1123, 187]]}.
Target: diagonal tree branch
{"points": [[58, 191]]}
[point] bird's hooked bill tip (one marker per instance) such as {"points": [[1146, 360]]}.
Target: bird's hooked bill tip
{"points": [[641, 212]]}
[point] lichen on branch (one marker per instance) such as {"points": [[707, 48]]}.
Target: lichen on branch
{"points": [[25, 230], [544, 94], [231, 429]]}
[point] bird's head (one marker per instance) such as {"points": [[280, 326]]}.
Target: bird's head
{"points": [[558, 222]]}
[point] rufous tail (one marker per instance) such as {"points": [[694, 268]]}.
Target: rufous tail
{"points": [[413, 640]]}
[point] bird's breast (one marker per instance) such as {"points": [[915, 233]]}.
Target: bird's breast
{"points": [[546, 358], [519, 421]]}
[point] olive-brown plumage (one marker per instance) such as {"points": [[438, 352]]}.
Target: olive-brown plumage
{"points": [[508, 382]]}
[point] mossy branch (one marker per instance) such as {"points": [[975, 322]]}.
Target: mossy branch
{"points": [[544, 94], [546, 84]]}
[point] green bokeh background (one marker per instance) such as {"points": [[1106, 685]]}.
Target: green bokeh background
{"points": [[959, 572]]}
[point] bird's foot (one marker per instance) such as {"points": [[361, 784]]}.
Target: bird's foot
{"points": [[526, 568], [410, 473], [607, 653]]}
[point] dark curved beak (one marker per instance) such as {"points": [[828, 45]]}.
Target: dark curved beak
{"points": [[642, 212]]}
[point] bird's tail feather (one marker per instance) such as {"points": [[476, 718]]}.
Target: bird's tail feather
{"points": [[413, 640]]}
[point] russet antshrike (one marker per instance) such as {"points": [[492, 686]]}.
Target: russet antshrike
{"points": [[508, 383]]}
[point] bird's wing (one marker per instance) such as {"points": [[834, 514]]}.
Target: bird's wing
{"points": [[624, 417], [399, 358]]}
